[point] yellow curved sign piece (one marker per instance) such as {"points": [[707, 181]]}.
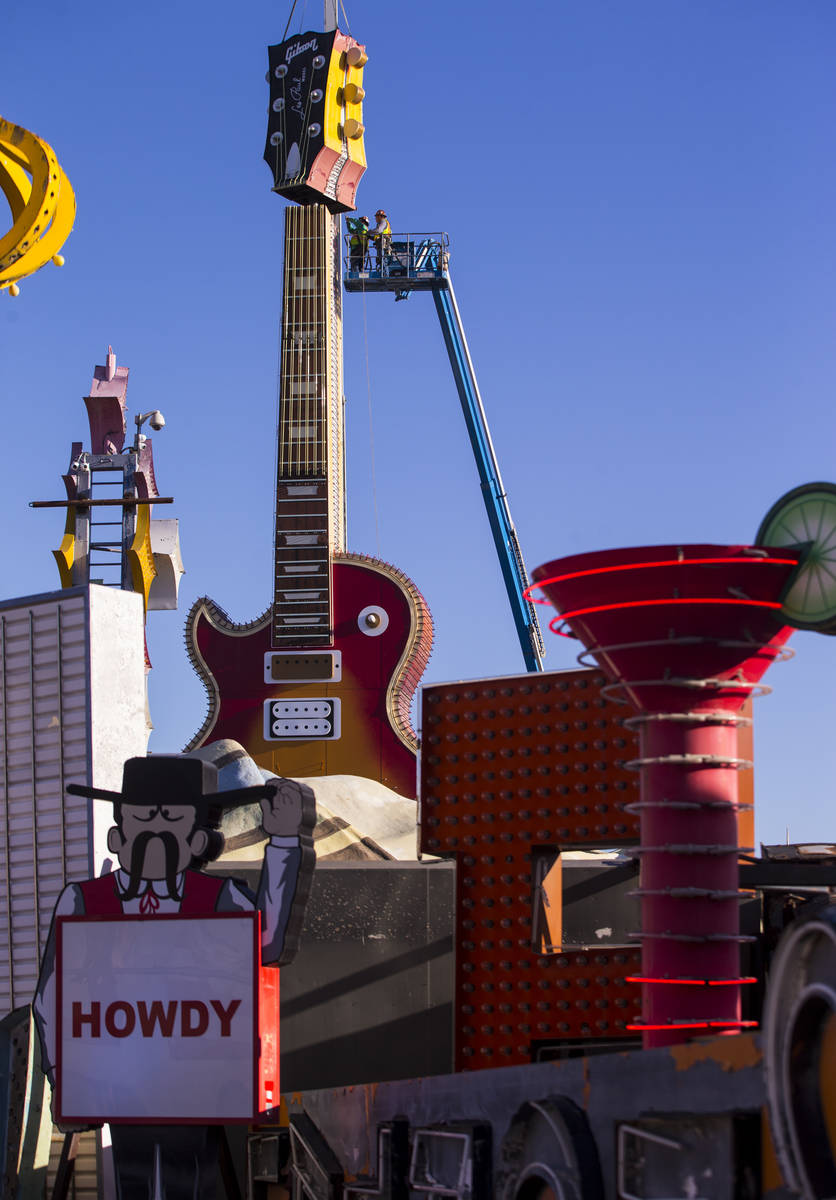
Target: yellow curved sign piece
{"points": [[41, 200], [15, 183], [65, 554], [140, 555]]}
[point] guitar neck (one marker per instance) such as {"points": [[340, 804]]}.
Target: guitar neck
{"points": [[310, 488]]}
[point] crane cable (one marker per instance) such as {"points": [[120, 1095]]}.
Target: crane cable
{"points": [[371, 423], [302, 17], [289, 19]]}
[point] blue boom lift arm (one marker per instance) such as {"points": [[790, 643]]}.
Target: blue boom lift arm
{"points": [[420, 262]]}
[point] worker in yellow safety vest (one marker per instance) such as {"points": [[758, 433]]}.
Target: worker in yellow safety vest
{"points": [[382, 237], [358, 242]]}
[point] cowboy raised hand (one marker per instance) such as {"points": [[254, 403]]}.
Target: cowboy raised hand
{"points": [[281, 810]]}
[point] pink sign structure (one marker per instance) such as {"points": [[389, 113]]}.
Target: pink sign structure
{"points": [[140, 1041], [685, 634]]}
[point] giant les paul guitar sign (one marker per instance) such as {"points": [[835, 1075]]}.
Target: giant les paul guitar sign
{"points": [[322, 682]]}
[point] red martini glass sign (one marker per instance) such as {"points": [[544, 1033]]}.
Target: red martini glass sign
{"points": [[684, 634]]}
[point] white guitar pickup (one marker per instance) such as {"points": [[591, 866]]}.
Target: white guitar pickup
{"points": [[303, 720]]}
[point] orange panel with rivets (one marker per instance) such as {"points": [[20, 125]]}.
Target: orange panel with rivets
{"points": [[509, 765]]}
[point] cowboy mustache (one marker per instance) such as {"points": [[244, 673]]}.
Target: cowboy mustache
{"points": [[172, 855]]}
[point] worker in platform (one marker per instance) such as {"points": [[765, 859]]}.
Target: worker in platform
{"points": [[382, 237], [358, 242]]}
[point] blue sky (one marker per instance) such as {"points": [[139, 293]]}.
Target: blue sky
{"points": [[639, 197]]}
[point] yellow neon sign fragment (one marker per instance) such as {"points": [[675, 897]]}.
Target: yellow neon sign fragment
{"points": [[65, 554], [41, 201], [140, 556]]}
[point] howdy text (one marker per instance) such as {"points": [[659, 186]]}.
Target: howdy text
{"points": [[122, 1018]]}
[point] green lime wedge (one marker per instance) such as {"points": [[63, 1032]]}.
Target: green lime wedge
{"points": [[807, 516]]}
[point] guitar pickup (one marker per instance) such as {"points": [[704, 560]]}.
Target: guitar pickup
{"points": [[293, 666], [302, 720]]}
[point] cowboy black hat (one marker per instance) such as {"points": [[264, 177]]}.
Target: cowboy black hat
{"points": [[174, 779]]}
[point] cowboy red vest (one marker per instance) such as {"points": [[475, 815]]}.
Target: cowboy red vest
{"points": [[200, 895]]}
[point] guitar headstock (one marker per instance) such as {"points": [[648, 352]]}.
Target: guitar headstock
{"points": [[315, 126]]}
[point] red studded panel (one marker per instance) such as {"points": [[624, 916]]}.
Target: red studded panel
{"points": [[509, 765], [533, 758]]}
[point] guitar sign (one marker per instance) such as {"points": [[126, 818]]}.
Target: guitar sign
{"points": [[321, 684], [315, 127]]}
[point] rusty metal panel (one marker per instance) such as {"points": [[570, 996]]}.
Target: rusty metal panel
{"points": [[681, 1084]]}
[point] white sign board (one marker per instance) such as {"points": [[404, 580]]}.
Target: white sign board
{"points": [[158, 1018]]}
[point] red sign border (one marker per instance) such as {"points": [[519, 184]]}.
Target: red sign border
{"points": [[63, 1118]]}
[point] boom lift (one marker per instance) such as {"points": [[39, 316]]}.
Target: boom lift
{"points": [[420, 263]]}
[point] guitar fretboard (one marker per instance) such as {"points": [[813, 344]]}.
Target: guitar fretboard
{"points": [[310, 521]]}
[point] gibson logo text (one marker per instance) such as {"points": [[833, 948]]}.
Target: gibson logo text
{"points": [[299, 47]]}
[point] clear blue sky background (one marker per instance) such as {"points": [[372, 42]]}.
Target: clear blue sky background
{"points": [[640, 198]]}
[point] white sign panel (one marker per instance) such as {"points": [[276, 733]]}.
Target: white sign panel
{"points": [[158, 1018]]}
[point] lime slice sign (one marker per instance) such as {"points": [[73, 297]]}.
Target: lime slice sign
{"points": [[807, 514]]}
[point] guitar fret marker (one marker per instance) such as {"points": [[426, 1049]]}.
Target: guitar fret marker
{"points": [[308, 510]]}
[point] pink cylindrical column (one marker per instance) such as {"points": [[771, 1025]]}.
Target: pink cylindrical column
{"points": [[688, 878], [684, 633]]}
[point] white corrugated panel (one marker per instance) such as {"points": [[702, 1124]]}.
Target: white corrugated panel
{"points": [[85, 1173], [63, 657], [44, 743], [72, 709]]}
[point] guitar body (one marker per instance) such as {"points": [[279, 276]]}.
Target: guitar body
{"points": [[380, 672]]}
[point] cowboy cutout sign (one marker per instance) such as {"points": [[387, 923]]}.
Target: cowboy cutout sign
{"points": [[152, 1004]]}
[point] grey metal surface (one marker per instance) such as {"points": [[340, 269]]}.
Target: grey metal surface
{"points": [[369, 994], [701, 1079]]}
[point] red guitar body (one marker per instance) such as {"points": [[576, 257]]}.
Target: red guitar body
{"points": [[380, 672]]}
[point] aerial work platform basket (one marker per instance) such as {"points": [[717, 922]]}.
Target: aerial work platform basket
{"points": [[413, 262], [420, 262]]}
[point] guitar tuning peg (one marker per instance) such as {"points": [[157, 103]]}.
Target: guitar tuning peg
{"points": [[356, 56]]}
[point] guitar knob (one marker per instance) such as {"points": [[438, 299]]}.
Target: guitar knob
{"points": [[354, 129], [372, 620]]}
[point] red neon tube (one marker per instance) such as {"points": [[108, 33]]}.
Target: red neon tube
{"points": [[582, 612], [669, 562], [693, 982], [697, 1025]]}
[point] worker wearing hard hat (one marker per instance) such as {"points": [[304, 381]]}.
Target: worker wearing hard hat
{"points": [[382, 237], [358, 242]]}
